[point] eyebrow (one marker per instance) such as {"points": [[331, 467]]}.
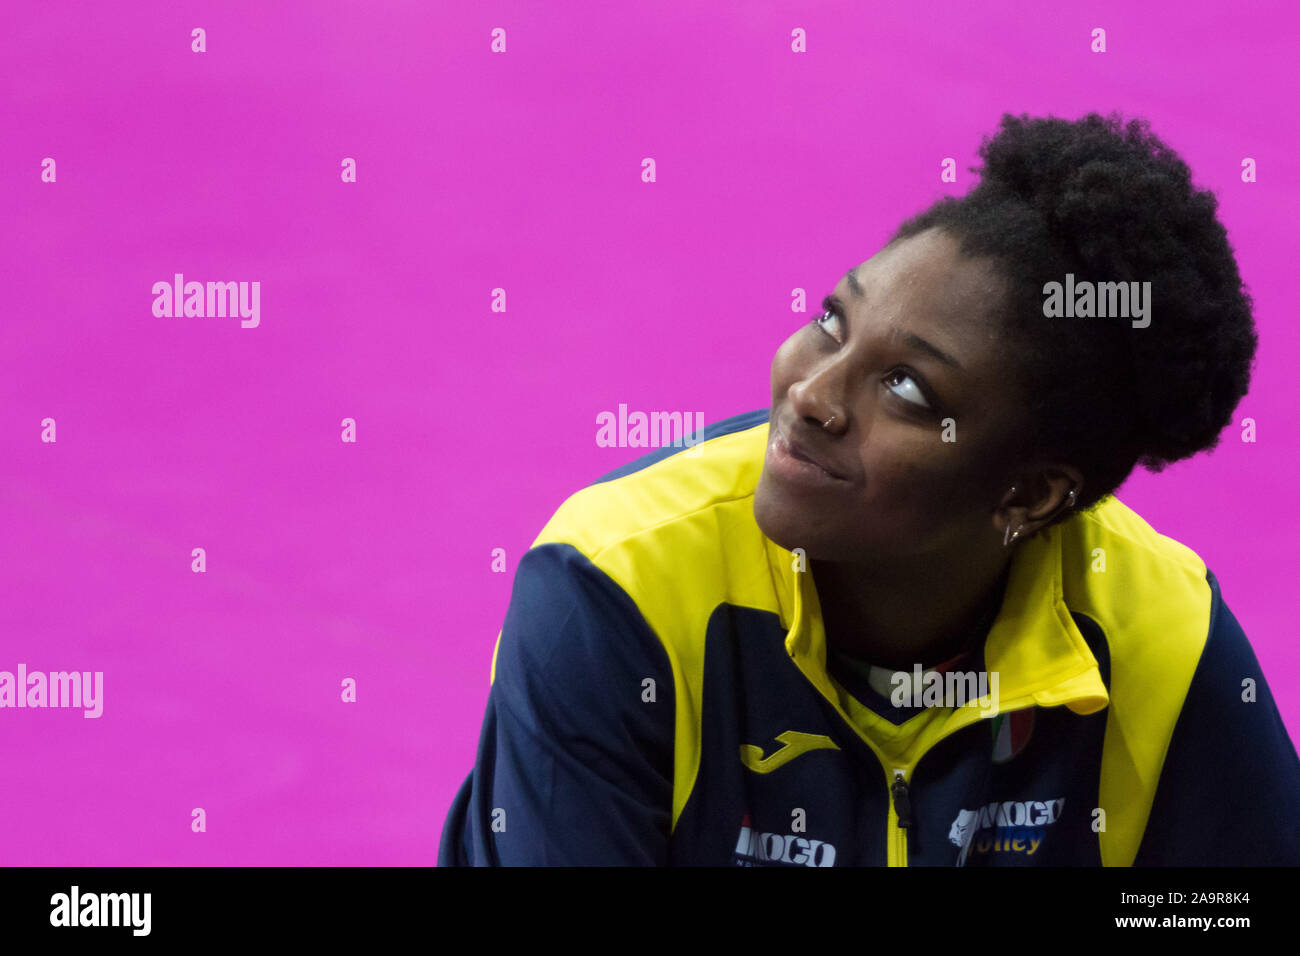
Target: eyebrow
{"points": [[915, 341]]}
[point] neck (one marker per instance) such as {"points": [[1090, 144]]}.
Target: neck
{"points": [[906, 615]]}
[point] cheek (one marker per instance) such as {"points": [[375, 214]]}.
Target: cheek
{"points": [[786, 364], [920, 480], [902, 482], [928, 489]]}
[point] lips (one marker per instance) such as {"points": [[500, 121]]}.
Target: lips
{"points": [[803, 454], [795, 461]]}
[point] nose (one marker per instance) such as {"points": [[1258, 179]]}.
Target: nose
{"points": [[817, 399]]}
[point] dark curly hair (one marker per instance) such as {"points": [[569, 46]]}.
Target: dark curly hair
{"points": [[1107, 202]]}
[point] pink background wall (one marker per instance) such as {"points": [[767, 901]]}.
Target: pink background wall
{"points": [[478, 170]]}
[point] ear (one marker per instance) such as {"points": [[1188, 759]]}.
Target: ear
{"points": [[1039, 497]]}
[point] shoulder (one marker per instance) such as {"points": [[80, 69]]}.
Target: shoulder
{"points": [[1228, 680], [1190, 711], [664, 489], [1113, 524], [648, 548], [1229, 785], [1147, 593], [669, 527]]}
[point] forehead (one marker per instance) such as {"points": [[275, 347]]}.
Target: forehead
{"points": [[927, 286]]}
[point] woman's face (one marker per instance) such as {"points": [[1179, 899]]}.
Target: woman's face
{"points": [[897, 488]]}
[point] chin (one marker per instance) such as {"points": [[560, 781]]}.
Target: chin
{"points": [[782, 525], [824, 540], [766, 516]]}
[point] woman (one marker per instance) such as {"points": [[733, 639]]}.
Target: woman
{"points": [[900, 618]]}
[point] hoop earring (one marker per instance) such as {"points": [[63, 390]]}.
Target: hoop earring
{"points": [[1066, 505]]}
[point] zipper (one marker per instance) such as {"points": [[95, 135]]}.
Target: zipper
{"points": [[901, 818]]}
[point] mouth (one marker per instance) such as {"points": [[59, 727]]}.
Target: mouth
{"points": [[794, 464]]}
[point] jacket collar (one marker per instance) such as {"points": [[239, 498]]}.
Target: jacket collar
{"points": [[1038, 653]]}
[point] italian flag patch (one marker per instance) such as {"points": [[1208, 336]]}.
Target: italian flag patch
{"points": [[1011, 732]]}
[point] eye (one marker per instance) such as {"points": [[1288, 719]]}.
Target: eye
{"points": [[831, 314], [912, 393], [831, 319]]}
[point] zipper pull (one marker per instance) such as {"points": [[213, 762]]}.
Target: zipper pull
{"points": [[902, 803]]}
